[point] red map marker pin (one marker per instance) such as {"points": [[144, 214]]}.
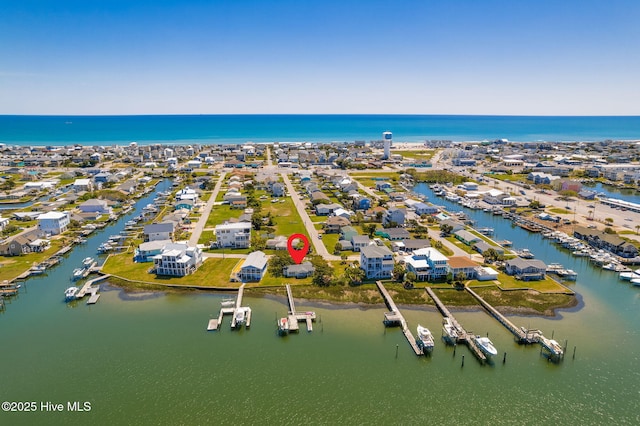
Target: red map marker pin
{"points": [[298, 255]]}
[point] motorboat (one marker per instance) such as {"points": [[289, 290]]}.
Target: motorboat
{"points": [[70, 293], [449, 331], [635, 282], [424, 339], [88, 262], [627, 276], [486, 346], [567, 274], [228, 303], [77, 274], [283, 326], [240, 317]]}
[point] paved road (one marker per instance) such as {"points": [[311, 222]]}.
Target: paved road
{"points": [[197, 229], [312, 233]]}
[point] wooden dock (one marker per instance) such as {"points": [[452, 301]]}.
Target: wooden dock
{"points": [[521, 334], [294, 317], [464, 336], [394, 317], [214, 323]]}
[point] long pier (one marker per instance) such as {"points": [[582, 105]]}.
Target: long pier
{"points": [[395, 317], [522, 335], [464, 336]]}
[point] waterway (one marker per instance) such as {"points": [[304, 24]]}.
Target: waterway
{"points": [[149, 360]]}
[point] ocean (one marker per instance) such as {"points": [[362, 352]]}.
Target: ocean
{"points": [[223, 129]]}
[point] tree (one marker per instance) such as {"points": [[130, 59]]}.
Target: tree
{"points": [[446, 228], [490, 255], [277, 263], [344, 258], [323, 275], [353, 275], [637, 228], [398, 272], [369, 229], [411, 277], [337, 248], [609, 221]]}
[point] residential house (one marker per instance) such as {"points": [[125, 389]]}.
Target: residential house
{"points": [[342, 213], [303, 270], [376, 261], [428, 264], [466, 237], [326, 209], [147, 251], [526, 269], [361, 203], [485, 273], [347, 233], [334, 224], [394, 216], [410, 245], [233, 235], [464, 265], [394, 234], [482, 246], [20, 244], [178, 260], [422, 208], [82, 185], [53, 222], [277, 189], [95, 205], [159, 231], [609, 242], [253, 267], [359, 241]]}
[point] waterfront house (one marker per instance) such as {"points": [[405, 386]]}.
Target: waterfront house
{"points": [[303, 270], [253, 268], [95, 205], [177, 259], [233, 235], [428, 264], [376, 261], [485, 273], [20, 244], [466, 237], [526, 269], [53, 222], [147, 251], [462, 264], [609, 242]]}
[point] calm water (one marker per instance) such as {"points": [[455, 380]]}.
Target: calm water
{"points": [[105, 130], [151, 361]]}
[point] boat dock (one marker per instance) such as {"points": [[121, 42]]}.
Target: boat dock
{"points": [[522, 336], [294, 317], [214, 323], [91, 290], [394, 317], [464, 336]]}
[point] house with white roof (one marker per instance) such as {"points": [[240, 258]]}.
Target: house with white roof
{"points": [[82, 185], [187, 194], [428, 264], [253, 268], [177, 259], [53, 222], [233, 235]]}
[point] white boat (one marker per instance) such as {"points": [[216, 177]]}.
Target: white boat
{"points": [[88, 262], [240, 317], [77, 274], [635, 282], [567, 274], [70, 293], [627, 276], [449, 331], [424, 339], [228, 303], [486, 346]]}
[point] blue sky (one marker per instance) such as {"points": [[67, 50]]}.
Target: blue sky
{"points": [[388, 57]]}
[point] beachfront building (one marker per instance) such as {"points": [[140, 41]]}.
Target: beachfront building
{"points": [[253, 268], [233, 235], [303, 270], [428, 264], [376, 261], [53, 222], [177, 260], [147, 251]]}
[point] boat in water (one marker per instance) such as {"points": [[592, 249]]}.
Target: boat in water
{"points": [[70, 293], [228, 303], [486, 346], [425, 339], [283, 326], [449, 331]]}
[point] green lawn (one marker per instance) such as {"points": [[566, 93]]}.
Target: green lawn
{"points": [[13, 266], [460, 244], [213, 272], [329, 241], [423, 154], [548, 285], [220, 214], [558, 210]]}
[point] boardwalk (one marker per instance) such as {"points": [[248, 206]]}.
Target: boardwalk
{"points": [[294, 317], [240, 315], [395, 317]]}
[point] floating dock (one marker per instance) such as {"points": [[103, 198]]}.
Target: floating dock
{"points": [[91, 290], [464, 336], [293, 317], [236, 311], [394, 317]]}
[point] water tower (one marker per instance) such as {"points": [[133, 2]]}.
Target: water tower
{"points": [[387, 138]]}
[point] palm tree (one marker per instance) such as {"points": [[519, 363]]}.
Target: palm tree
{"points": [[637, 228]]}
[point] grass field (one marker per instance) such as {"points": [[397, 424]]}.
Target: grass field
{"points": [[423, 154], [13, 266], [213, 272]]}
